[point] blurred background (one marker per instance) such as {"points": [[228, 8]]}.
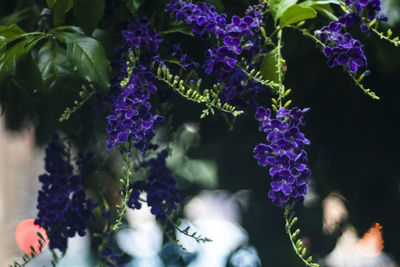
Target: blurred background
{"points": [[354, 156]]}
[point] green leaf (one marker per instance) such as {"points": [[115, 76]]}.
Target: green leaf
{"points": [[3, 42], [310, 3], [269, 66], [53, 63], [133, 5], [88, 13], [273, 6], [322, 6], [11, 31], [74, 29], [327, 11], [60, 8], [8, 64], [283, 6], [296, 14], [88, 57]]}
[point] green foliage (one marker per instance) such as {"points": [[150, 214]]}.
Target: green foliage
{"points": [[88, 58], [297, 244], [192, 92], [358, 80], [296, 13], [278, 7], [322, 6], [257, 76], [53, 63], [88, 13], [85, 95], [11, 31], [269, 68], [133, 5], [60, 8], [26, 258]]}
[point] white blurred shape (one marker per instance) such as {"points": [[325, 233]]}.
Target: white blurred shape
{"points": [[345, 254], [213, 205], [78, 253], [334, 212], [145, 237], [246, 257], [215, 215]]}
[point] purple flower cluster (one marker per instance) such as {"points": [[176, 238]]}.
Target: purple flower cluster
{"points": [[206, 21], [130, 116], [63, 209], [139, 36], [159, 186], [370, 7], [284, 153], [341, 49]]}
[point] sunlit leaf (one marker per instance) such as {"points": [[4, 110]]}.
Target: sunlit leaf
{"points": [[296, 14]]}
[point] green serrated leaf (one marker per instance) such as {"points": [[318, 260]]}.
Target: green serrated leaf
{"points": [[60, 8], [88, 57], [268, 68], [283, 6], [53, 63], [88, 13], [296, 14]]}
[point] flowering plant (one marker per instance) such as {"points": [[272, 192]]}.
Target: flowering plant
{"points": [[128, 66]]}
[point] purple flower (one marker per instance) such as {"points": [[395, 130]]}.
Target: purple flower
{"points": [[63, 209], [284, 153], [206, 21], [371, 9], [139, 35], [162, 197], [341, 49], [130, 117]]}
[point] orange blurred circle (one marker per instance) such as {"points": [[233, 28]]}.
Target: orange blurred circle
{"points": [[26, 236]]}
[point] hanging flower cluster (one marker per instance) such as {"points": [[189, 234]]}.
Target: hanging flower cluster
{"points": [[63, 209], [341, 49], [206, 21], [371, 9], [284, 153], [131, 116], [159, 186]]}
